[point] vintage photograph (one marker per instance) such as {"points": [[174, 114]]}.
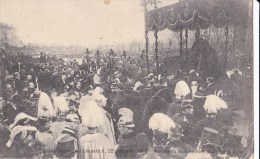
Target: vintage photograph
{"points": [[127, 79]]}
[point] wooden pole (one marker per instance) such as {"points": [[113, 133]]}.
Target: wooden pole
{"points": [[181, 42], [146, 50], [144, 4], [197, 36], [186, 48], [226, 46], [186, 42], [156, 51]]}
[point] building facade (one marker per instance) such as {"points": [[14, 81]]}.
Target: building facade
{"points": [[8, 36]]}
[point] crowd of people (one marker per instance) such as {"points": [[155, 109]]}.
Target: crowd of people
{"points": [[110, 106]]}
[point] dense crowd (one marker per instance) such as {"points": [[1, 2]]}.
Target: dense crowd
{"points": [[111, 106]]}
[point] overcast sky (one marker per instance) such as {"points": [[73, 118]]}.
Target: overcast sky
{"points": [[75, 22]]}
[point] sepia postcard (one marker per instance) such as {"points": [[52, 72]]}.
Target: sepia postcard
{"points": [[129, 79]]}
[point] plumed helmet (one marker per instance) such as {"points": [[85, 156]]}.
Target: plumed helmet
{"points": [[100, 99], [213, 103], [45, 107], [60, 104], [161, 122], [181, 89], [126, 117], [91, 114]]}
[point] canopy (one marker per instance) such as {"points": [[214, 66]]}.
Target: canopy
{"points": [[197, 13]]}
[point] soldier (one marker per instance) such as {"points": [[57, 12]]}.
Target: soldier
{"points": [[175, 146], [156, 104], [130, 142], [181, 90], [211, 106], [60, 84], [45, 107], [185, 120], [160, 125], [210, 89]]}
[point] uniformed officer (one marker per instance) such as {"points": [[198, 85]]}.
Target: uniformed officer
{"points": [[131, 143], [185, 120], [211, 106]]}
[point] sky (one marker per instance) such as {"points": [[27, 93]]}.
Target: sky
{"points": [[87, 23]]}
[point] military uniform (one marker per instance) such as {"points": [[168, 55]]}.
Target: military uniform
{"points": [[186, 123], [155, 105], [210, 89], [130, 145], [207, 122]]}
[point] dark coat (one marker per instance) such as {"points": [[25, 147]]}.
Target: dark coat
{"points": [[207, 122], [155, 105], [186, 123], [210, 89], [131, 144], [59, 85]]}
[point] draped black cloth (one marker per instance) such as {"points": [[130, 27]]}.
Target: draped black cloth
{"points": [[191, 13]]}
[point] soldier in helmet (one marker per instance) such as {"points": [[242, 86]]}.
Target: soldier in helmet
{"points": [[185, 120], [131, 143], [211, 106]]}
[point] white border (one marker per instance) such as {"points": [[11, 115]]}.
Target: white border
{"points": [[256, 77]]}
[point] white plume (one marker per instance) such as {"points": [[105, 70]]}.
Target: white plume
{"points": [[99, 90], [161, 122], [60, 104], [16, 130], [125, 112], [181, 89], [45, 107], [213, 103], [100, 99], [21, 116], [83, 101], [91, 114]]}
